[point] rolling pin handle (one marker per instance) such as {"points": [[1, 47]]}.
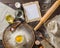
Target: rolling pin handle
{"points": [[48, 14]]}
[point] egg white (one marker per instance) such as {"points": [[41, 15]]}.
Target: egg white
{"points": [[20, 32]]}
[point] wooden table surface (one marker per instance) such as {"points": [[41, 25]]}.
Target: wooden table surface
{"points": [[41, 3]]}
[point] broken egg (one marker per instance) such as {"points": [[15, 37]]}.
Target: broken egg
{"points": [[19, 38], [22, 37]]}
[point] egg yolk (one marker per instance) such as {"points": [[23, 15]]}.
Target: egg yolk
{"points": [[19, 38]]}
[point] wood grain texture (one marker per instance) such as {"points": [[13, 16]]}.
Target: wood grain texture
{"points": [[32, 24]]}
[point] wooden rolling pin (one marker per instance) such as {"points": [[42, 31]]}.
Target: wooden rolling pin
{"points": [[48, 14]]}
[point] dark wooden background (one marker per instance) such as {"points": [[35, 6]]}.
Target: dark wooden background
{"points": [[44, 7]]}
